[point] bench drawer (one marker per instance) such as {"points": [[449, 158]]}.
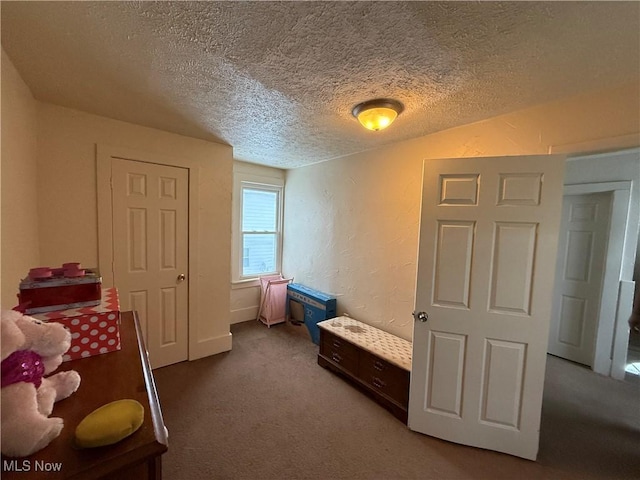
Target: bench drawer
{"points": [[372, 373], [339, 351], [384, 377]]}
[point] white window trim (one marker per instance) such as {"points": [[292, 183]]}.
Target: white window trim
{"points": [[277, 232], [257, 181]]}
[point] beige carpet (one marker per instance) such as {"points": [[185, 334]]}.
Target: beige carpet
{"points": [[266, 410]]}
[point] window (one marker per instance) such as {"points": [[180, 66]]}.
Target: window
{"points": [[260, 229], [257, 223]]}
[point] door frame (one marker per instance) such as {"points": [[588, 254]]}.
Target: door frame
{"points": [[104, 155], [606, 329]]}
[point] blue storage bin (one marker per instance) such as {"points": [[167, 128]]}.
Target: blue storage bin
{"points": [[318, 306]]}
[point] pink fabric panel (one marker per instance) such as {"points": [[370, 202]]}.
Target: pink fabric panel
{"points": [[274, 293]]}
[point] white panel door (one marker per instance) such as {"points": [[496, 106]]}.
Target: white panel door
{"points": [[150, 252], [486, 263], [584, 233]]}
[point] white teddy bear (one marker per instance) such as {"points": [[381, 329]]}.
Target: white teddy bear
{"points": [[31, 349]]}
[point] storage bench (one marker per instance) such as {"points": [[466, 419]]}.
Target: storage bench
{"points": [[377, 362]]}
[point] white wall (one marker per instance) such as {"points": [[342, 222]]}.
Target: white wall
{"points": [[67, 205], [351, 224], [245, 295], [19, 224]]}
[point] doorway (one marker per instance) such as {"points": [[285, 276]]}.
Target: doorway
{"points": [[144, 238], [614, 172], [580, 266]]}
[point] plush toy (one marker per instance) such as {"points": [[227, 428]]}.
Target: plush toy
{"points": [[30, 350]]}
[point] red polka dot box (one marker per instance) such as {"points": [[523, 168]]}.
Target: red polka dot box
{"points": [[94, 330]]}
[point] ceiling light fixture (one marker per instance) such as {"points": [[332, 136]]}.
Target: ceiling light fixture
{"points": [[377, 114]]}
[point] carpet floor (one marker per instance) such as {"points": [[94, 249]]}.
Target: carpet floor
{"points": [[266, 410]]}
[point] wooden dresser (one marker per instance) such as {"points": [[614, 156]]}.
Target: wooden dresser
{"points": [[377, 362], [104, 378]]}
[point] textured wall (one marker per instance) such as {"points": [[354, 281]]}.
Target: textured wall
{"points": [[351, 224], [19, 183]]}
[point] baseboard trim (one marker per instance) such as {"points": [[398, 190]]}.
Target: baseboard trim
{"points": [[244, 314]]}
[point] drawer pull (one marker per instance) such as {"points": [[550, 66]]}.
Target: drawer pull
{"points": [[378, 365], [337, 343], [378, 383], [336, 358]]}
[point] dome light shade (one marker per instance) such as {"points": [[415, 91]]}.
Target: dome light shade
{"points": [[377, 114]]}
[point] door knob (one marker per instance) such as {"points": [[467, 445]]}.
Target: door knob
{"points": [[181, 278], [421, 316]]}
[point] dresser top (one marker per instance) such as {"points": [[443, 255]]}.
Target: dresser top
{"points": [[394, 349], [105, 378]]}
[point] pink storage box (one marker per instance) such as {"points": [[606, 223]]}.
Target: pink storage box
{"points": [[94, 330]]}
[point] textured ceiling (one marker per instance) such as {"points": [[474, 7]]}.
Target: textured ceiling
{"points": [[277, 81]]}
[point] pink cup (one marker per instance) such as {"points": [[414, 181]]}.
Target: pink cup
{"points": [[70, 273], [57, 272], [40, 273]]}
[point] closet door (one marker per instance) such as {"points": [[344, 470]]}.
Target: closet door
{"points": [[150, 253]]}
